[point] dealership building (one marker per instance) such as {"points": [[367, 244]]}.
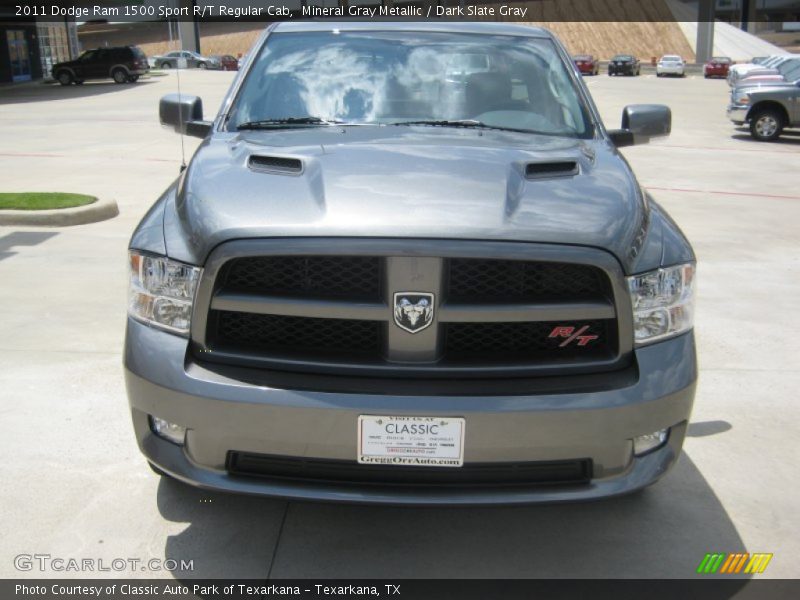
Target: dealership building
{"points": [[29, 48]]}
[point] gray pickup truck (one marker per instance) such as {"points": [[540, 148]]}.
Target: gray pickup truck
{"points": [[767, 108], [376, 282]]}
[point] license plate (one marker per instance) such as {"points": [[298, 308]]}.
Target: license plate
{"points": [[411, 441]]}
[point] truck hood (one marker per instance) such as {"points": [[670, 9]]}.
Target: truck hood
{"points": [[409, 182]]}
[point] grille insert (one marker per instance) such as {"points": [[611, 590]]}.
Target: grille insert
{"points": [[343, 472], [274, 334], [508, 281], [509, 342], [341, 277]]}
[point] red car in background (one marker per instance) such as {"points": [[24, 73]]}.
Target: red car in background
{"points": [[586, 63], [227, 62], [717, 67]]}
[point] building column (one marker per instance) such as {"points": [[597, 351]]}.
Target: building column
{"points": [[705, 31], [749, 15], [189, 28]]}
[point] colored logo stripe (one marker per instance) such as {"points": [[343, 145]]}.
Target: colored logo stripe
{"points": [[734, 563]]}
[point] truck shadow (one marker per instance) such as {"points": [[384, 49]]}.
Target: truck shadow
{"points": [[662, 532], [17, 239]]}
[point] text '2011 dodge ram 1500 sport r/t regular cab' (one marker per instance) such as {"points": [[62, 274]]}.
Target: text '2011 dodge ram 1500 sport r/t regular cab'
{"points": [[377, 283]]}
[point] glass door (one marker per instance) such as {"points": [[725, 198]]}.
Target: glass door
{"points": [[18, 52]]}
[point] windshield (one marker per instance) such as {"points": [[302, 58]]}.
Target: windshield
{"points": [[622, 57], [671, 59], [792, 74], [788, 66], [382, 78]]}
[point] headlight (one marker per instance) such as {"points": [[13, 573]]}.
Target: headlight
{"points": [[161, 292], [663, 303]]}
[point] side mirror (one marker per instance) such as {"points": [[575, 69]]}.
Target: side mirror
{"points": [[640, 122], [184, 114]]}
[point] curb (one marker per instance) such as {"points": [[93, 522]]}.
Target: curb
{"points": [[99, 210]]}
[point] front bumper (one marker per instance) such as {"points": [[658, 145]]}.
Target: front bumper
{"points": [[737, 114], [225, 413], [669, 70]]}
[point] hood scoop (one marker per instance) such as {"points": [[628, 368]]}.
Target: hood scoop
{"points": [[278, 165], [552, 169]]}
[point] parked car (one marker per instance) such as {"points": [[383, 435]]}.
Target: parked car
{"points": [[624, 64], [380, 295], [784, 71], [122, 64], [587, 64], [717, 67], [173, 60], [739, 71], [226, 62], [670, 64], [767, 108]]}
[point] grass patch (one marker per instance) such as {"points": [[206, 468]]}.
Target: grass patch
{"points": [[42, 200]]}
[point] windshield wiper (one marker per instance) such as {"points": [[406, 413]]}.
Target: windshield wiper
{"points": [[458, 123], [286, 121]]}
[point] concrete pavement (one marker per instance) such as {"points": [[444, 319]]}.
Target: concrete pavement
{"points": [[76, 486]]}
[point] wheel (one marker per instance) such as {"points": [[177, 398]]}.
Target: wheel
{"points": [[133, 78], [610, 74], [659, 74], [119, 76], [202, 66], [64, 77], [166, 65], [766, 125]]}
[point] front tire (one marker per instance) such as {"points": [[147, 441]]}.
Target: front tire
{"points": [[202, 66], [64, 77], [166, 65], [119, 76], [766, 125]]}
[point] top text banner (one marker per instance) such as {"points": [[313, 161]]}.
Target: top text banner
{"points": [[285, 10]]}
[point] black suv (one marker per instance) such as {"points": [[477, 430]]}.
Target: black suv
{"points": [[122, 64]]}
